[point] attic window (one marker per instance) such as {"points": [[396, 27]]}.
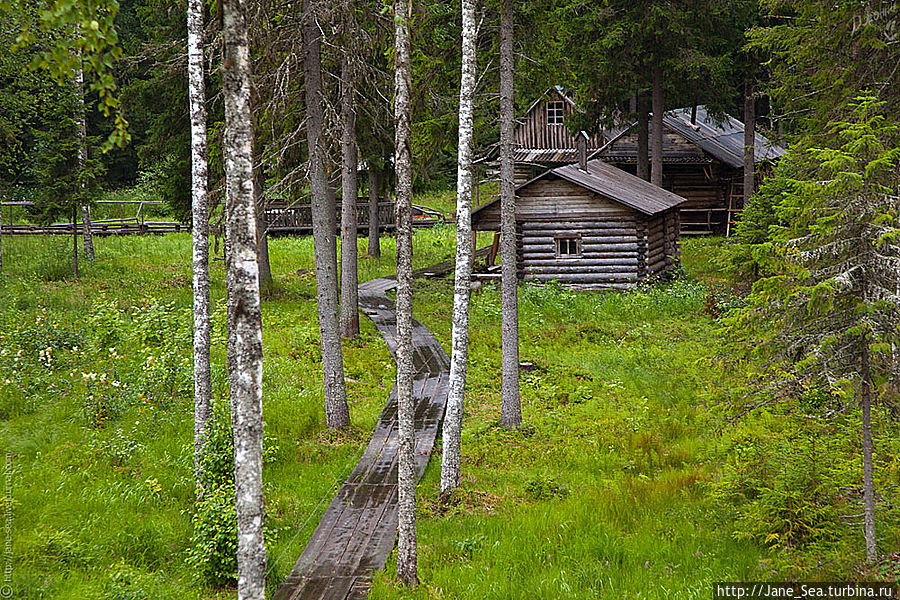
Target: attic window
{"points": [[568, 247], [556, 112]]}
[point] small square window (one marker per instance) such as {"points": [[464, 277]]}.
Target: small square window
{"points": [[568, 247], [556, 112]]}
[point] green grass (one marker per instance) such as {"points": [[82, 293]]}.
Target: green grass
{"points": [[609, 489]]}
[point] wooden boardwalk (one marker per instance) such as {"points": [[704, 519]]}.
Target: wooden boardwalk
{"points": [[359, 528]]}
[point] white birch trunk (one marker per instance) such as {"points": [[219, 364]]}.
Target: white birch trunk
{"points": [[81, 126], [510, 405], [349, 183], [407, 570], [452, 431], [656, 133], [199, 230], [337, 413], [244, 312]]}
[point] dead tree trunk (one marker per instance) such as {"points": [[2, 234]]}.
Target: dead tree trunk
{"points": [[460, 352], [244, 315], [199, 231], [656, 153], [350, 184], [81, 126], [407, 570], [510, 404], [374, 236], [643, 138], [337, 413], [749, 143]]}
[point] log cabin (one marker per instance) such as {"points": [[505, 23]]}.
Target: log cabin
{"points": [[703, 161], [543, 141], [702, 156], [590, 225]]}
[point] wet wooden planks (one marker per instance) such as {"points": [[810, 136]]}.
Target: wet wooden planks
{"points": [[359, 527]]}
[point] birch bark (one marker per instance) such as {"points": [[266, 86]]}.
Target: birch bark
{"points": [[510, 405], [349, 183], [81, 126], [337, 413], [459, 355], [407, 570], [199, 230], [244, 314]]}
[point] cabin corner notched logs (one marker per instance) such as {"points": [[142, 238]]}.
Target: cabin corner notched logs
{"points": [[599, 228]]}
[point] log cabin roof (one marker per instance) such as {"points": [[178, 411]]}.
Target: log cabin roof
{"points": [[610, 182], [723, 139]]}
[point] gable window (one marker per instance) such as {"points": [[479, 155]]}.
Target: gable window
{"points": [[568, 247], [556, 112]]}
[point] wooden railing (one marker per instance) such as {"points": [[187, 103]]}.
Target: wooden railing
{"points": [[297, 218]]}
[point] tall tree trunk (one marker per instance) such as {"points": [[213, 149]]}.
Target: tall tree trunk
{"points": [[75, 240], [656, 153], [460, 352], [350, 183], [81, 126], [749, 142], [199, 231], [244, 314], [868, 464], [510, 404], [407, 569], [643, 138], [374, 237], [337, 413], [1, 231], [259, 201]]}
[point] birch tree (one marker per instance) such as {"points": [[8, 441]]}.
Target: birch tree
{"points": [[244, 312], [510, 405], [459, 355], [199, 230], [337, 413], [406, 525], [349, 180], [830, 315], [81, 130]]}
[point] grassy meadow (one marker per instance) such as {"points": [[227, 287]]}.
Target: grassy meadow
{"points": [[624, 482]]}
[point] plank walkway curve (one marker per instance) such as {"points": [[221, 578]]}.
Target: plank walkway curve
{"points": [[359, 527]]}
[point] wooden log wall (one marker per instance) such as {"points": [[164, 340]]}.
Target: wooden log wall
{"points": [[674, 145], [606, 232], [618, 246]]}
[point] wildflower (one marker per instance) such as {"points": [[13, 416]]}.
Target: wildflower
{"points": [[8, 382]]}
